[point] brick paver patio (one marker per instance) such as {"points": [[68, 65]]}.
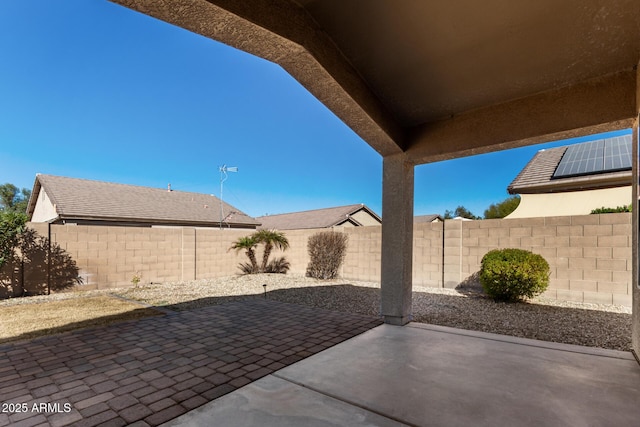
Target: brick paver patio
{"points": [[149, 371]]}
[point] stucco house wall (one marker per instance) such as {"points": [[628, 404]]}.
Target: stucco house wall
{"points": [[44, 210], [570, 203], [365, 218]]}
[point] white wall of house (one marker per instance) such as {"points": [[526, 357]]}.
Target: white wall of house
{"points": [[570, 203], [44, 210]]}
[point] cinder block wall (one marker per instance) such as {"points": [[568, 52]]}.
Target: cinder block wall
{"points": [[110, 256], [589, 256], [213, 258], [363, 258], [429, 252]]}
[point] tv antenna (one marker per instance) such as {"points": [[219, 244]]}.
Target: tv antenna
{"points": [[223, 177]]}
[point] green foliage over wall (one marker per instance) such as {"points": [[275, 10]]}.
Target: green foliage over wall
{"points": [[460, 211], [502, 209], [12, 199], [618, 209], [11, 228]]}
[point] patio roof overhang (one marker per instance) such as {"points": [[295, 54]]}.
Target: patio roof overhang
{"points": [[421, 77], [423, 81]]}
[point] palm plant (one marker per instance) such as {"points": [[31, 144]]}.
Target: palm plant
{"points": [[248, 244], [278, 265], [271, 239]]}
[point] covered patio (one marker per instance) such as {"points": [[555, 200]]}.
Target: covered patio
{"points": [[422, 82], [423, 375]]}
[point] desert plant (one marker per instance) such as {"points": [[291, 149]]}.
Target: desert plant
{"points": [[248, 243], [327, 250], [271, 239], [247, 268], [513, 274], [135, 280], [278, 265]]}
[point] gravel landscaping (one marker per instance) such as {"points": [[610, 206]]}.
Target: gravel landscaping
{"points": [[593, 325]]}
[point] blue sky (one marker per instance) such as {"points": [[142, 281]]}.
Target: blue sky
{"points": [[89, 89]]}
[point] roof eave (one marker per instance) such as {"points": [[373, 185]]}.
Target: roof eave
{"points": [[184, 223], [575, 184]]}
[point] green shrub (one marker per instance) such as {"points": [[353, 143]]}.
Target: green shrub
{"points": [[12, 225], [513, 274], [327, 250], [618, 209]]}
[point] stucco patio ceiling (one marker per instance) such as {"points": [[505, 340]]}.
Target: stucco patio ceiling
{"points": [[441, 79]]}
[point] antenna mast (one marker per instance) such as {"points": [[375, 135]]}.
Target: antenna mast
{"points": [[223, 177]]}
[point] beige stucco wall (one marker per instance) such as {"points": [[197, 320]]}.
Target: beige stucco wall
{"points": [[364, 218], [589, 255], [44, 210], [570, 203]]}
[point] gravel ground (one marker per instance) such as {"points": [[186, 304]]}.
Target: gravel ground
{"points": [[593, 325]]}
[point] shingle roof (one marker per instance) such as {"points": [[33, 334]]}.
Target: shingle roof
{"points": [[536, 177], [318, 218], [426, 218], [95, 200]]}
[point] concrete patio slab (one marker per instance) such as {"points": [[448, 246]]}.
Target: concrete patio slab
{"points": [[425, 375], [274, 402]]}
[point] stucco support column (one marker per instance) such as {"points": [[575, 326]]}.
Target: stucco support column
{"points": [[635, 217], [397, 238], [635, 282]]}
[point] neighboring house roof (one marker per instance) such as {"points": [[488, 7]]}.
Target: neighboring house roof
{"points": [[537, 176], [318, 218], [427, 218], [85, 200]]}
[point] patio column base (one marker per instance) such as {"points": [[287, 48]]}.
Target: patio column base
{"points": [[397, 320]]}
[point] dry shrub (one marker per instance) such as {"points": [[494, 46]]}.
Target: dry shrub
{"points": [[327, 250]]}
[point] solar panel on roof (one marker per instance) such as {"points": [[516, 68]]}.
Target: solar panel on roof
{"points": [[604, 155], [617, 153]]}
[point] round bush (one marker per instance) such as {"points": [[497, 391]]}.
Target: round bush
{"points": [[513, 274]]}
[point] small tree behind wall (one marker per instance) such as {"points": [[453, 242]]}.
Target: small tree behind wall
{"points": [[12, 225], [327, 251]]}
